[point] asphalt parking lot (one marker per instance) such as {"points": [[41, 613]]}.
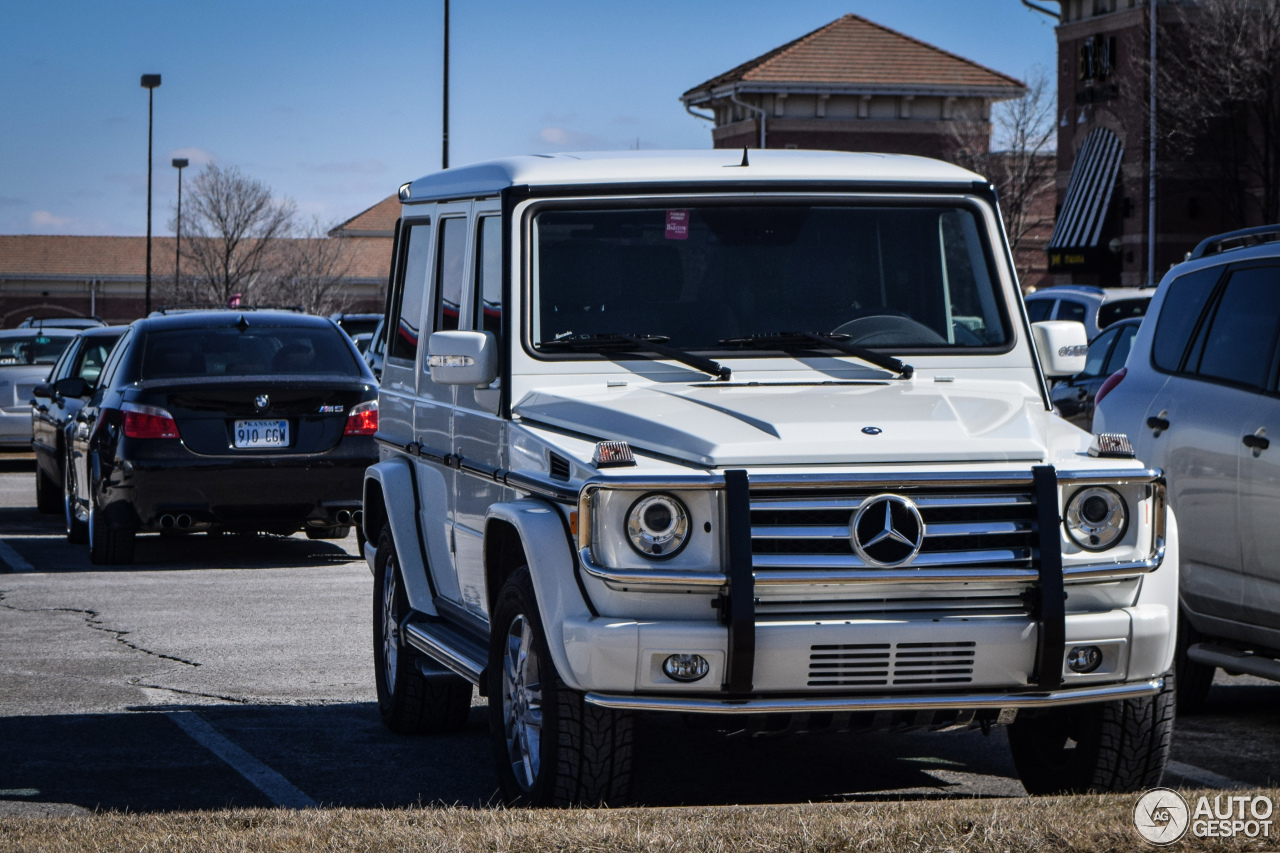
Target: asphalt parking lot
{"points": [[237, 672]]}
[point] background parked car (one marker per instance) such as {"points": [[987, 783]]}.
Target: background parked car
{"points": [[1096, 307], [25, 358], [356, 324], [1074, 398], [55, 402], [61, 323], [1199, 399], [222, 420]]}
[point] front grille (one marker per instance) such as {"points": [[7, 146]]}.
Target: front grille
{"points": [[805, 530], [884, 665]]}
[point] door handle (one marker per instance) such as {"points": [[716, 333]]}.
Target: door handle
{"points": [[1158, 423], [1257, 442]]}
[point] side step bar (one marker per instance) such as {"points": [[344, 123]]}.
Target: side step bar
{"points": [[1234, 661], [450, 647]]}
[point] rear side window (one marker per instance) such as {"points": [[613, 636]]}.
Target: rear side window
{"points": [[489, 275], [1120, 354], [407, 301], [1098, 354], [1242, 335], [1038, 310], [1183, 304], [1068, 310], [93, 356], [256, 351], [453, 256], [1113, 312]]}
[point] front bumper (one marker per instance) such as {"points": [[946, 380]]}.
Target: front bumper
{"points": [[936, 702]]}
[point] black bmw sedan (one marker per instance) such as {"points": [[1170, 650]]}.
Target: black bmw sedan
{"points": [[222, 421]]}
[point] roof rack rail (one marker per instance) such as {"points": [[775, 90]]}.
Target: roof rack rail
{"points": [[1241, 239]]}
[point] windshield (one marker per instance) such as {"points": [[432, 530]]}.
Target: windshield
{"points": [[709, 277], [256, 351], [36, 348]]}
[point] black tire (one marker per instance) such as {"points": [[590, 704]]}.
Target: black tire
{"points": [[408, 702], [76, 527], [585, 751], [48, 497], [1120, 746], [110, 539], [1194, 679], [327, 532]]}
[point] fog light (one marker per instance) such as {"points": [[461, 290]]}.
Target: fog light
{"points": [[685, 667], [1084, 659]]}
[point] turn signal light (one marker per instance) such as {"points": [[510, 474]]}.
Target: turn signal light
{"points": [[148, 422], [363, 419]]}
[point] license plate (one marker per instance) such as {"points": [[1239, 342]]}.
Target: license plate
{"points": [[251, 434]]}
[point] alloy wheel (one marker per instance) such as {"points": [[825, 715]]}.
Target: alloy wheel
{"points": [[522, 702], [390, 627]]}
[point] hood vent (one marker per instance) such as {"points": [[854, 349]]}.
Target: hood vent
{"points": [[559, 467]]}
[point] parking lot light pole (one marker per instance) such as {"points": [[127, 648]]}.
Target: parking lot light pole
{"points": [[179, 163], [149, 82]]}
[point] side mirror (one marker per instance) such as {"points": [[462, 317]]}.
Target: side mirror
{"points": [[462, 358], [1062, 346], [44, 390], [72, 386]]}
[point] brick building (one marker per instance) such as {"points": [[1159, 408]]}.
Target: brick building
{"points": [[852, 85], [59, 276], [1101, 236]]}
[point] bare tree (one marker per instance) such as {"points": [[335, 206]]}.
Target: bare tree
{"points": [[1218, 102], [231, 226], [308, 271], [1015, 152]]}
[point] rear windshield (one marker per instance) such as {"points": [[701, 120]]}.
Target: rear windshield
{"points": [[36, 348], [256, 351]]}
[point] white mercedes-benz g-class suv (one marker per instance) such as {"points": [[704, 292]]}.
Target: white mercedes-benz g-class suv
{"points": [[762, 435]]}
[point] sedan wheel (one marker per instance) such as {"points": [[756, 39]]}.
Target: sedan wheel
{"points": [[77, 529]]}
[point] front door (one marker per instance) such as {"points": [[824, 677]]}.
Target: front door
{"points": [[478, 432]]}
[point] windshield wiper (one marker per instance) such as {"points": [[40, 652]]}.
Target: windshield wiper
{"points": [[639, 343], [835, 341]]}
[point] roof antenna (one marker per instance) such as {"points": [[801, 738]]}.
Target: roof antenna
{"points": [[744, 157], [242, 324]]}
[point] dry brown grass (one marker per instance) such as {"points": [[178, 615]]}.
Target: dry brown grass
{"points": [[1093, 823]]}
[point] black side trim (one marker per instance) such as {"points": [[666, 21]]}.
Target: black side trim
{"points": [[417, 526], [577, 566], [514, 479], [738, 608], [1051, 608]]}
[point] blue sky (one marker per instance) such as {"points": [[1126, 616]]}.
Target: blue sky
{"points": [[335, 104]]}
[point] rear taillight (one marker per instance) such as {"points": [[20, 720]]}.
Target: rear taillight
{"points": [[1112, 381], [148, 422], [363, 419]]}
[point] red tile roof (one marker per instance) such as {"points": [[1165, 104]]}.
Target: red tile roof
{"points": [[379, 220], [59, 256], [857, 52]]}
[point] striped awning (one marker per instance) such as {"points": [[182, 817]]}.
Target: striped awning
{"points": [[1092, 178]]}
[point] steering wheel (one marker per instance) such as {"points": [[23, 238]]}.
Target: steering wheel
{"points": [[888, 328]]}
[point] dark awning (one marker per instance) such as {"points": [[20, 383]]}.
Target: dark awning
{"points": [[1092, 178]]}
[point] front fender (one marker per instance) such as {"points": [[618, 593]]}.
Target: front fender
{"points": [[394, 479], [551, 565]]}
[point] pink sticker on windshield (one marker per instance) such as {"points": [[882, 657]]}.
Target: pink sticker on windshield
{"points": [[677, 225]]}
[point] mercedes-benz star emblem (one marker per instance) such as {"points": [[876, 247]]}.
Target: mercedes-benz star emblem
{"points": [[261, 401], [887, 530]]}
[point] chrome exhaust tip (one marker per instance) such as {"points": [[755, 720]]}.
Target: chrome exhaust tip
{"points": [[166, 521], [184, 521], [343, 516], [357, 517]]}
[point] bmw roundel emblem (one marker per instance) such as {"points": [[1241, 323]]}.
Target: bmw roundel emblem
{"points": [[261, 401], [872, 430]]}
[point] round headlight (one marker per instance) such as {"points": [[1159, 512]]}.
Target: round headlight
{"points": [[658, 526], [1096, 518]]}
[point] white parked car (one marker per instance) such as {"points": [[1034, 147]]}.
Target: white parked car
{"points": [[1198, 397], [1096, 307], [756, 434]]}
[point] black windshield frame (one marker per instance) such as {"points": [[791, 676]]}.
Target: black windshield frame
{"points": [[995, 266]]}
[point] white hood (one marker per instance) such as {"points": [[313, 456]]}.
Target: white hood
{"points": [[745, 424]]}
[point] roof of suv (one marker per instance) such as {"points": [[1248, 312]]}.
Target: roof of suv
{"points": [[684, 167]]}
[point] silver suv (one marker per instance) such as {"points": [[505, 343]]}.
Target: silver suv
{"points": [[759, 435], [1199, 397]]}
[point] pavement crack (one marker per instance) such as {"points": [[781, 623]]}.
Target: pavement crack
{"points": [[91, 620]]}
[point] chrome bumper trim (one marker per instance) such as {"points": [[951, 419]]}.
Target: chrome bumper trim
{"points": [[797, 705]]}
